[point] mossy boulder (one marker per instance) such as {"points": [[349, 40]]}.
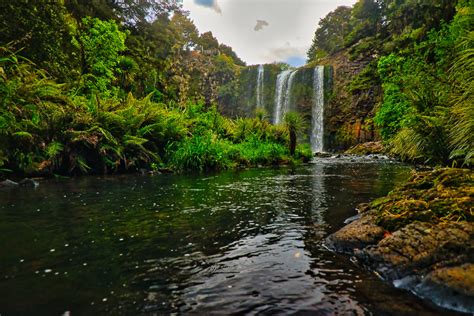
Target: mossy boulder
{"points": [[420, 236], [367, 148], [356, 235], [442, 195]]}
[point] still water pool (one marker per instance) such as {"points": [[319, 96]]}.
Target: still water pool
{"points": [[247, 242]]}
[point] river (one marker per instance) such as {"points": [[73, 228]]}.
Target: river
{"points": [[237, 242]]}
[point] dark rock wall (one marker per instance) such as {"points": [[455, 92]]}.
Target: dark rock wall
{"points": [[239, 98], [348, 111]]}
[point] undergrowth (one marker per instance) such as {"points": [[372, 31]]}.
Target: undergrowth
{"points": [[45, 129]]}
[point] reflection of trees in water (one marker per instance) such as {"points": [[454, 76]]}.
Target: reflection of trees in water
{"points": [[155, 233], [318, 193], [336, 190]]}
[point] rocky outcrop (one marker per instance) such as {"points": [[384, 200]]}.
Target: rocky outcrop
{"points": [[420, 237], [8, 184], [349, 112], [450, 287], [367, 148], [356, 235], [26, 182]]}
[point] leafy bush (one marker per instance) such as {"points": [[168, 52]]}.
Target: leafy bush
{"points": [[427, 110], [254, 152]]}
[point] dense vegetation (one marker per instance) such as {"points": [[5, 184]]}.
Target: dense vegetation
{"points": [[100, 87], [109, 86], [421, 54]]}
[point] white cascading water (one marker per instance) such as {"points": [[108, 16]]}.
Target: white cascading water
{"points": [[287, 104], [283, 94], [317, 123], [260, 87], [279, 96]]}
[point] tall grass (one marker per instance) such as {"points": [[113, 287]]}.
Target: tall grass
{"points": [[462, 111]]}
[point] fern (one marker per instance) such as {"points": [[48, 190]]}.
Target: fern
{"points": [[53, 149]]}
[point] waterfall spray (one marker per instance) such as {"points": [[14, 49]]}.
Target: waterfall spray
{"points": [[283, 94], [260, 86], [281, 82]]}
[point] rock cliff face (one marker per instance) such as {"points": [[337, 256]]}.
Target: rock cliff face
{"points": [[420, 237], [349, 100], [350, 108], [239, 99]]}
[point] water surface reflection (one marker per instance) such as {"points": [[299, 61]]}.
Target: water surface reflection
{"points": [[244, 242]]}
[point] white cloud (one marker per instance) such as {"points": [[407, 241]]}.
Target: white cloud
{"points": [[289, 21], [285, 52]]}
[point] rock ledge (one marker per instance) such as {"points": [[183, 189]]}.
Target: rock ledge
{"points": [[420, 237]]}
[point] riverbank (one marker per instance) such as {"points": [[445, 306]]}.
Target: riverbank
{"points": [[420, 237]]}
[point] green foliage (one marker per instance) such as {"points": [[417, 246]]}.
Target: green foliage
{"points": [[365, 79], [100, 43], [462, 74], [47, 131], [330, 34], [201, 152], [104, 53], [254, 152], [42, 31], [425, 140], [391, 114], [426, 114], [304, 152], [221, 143], [295, 125], [82, 43], [406, 48], [365, 21]]}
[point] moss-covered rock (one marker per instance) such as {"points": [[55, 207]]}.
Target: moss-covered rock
{"points": [[356, 235], [355, 95], [366, 148], [420, 236], [442, 195]]}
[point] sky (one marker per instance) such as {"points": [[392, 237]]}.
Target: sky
{"points": [[263, 31]]}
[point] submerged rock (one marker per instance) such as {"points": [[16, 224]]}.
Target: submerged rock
{"points": [[27, 182], [8, 184], [451, 287], [322, 154], [420, 236]]}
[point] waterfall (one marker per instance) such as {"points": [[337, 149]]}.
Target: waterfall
{"points": [[287, 105], [317, 124], [260, 87], [283, 94]]}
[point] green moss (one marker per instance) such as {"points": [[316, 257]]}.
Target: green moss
{"points": [[365, 79], [440, 195], [366, 148]]}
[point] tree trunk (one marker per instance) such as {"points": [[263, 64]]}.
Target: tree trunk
{"points": [[292, 142]]}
